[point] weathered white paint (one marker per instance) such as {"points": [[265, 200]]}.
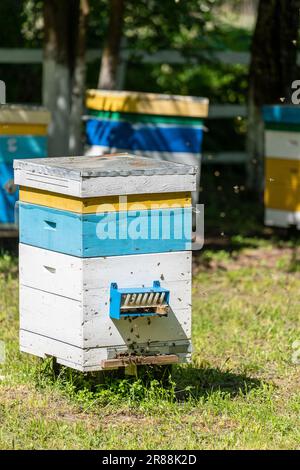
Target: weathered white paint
{"points": [[67, 298], [43, 346], [283, 145], [67, 320], [108, 186], [281, 218], [87, 360], [75, 277]]}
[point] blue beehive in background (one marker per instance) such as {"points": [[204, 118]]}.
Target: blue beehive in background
{"points": [[164, 127], [23, 134]]}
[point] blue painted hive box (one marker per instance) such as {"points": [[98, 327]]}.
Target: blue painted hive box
{"points": [[23, 134], [105, 260], [165, 127]]}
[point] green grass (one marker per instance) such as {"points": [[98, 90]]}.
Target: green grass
{"points": [[241, 390]]}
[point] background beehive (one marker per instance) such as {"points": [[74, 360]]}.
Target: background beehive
{"points": [[166, 127], [23, 134], [66, 272], [282, 165]]}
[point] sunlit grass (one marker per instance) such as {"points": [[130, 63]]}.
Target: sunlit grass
{"points": [[241, 390]]}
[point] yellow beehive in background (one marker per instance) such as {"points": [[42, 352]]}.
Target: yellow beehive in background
{"points": [[282, 166]]}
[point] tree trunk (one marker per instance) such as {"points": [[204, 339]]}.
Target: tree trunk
{"points": [[64, 72], [111, 52], [273, 68], [78, 81], [56, 74]]}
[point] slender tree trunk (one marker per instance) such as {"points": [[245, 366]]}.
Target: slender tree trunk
{"points": [[272, 70], [56, 74], [64, 72], [111, 51], [78, 81]]}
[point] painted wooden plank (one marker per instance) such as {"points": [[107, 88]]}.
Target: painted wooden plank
{"points": [[143, 136], [282, 114], [144, 118], [52, 272], [283, 172], [132, 185], [90, 176], [283, 197], [20, 114], [139, 360], [146, 103], [75, 278], [43, 346], [109, 186], [48, 183], [53, 316], [23, 129], [94, 356], [69, 275], [8, 194], [104, 166], [15, 147], [63, 319], [282, 218], [283, 145], [111, 234], [104, 204], [85, 360]]}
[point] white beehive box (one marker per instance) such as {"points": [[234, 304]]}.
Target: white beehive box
{"points": [[66, 308]]}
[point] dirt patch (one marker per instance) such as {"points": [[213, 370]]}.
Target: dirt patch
{"points": [[266, 257]]}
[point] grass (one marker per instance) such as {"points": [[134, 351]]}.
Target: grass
{"points": [[241, 390]]}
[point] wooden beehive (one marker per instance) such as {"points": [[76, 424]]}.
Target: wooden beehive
{"points": [[282, 166], [23, 134], [166, 127], [105, 260]]}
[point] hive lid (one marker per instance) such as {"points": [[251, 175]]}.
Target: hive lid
{"points": [[105, 175], [103, 166]]}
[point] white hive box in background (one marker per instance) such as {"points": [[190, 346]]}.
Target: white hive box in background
{"points": [[89, 296]]}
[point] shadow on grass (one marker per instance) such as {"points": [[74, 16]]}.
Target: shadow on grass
{"points": [[174, 383], [203, 381]]}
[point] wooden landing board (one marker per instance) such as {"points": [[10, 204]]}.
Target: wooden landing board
{"points": [[146, 103], [104, 204], [106, 234], [162, 359]]}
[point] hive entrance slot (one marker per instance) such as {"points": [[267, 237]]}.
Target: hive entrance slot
{"points": [[139, 301]]}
